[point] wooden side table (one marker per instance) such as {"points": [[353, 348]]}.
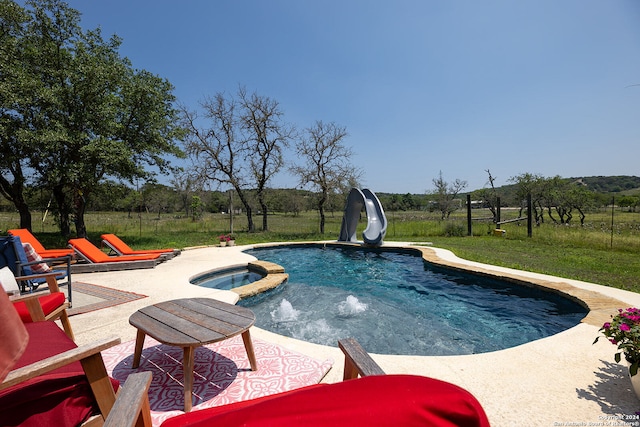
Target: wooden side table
{"points": [[190, 323]]}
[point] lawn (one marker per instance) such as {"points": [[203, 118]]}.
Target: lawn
{"points": [[590, 252]]}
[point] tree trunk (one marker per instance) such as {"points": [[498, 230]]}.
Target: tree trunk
{"points": [[80, 206], [247, 208], [25, 216], [263, 207], [322, 219], [14, 192], [63, 212], [555, 221], [321, 202], [23, 209], [582, 216]]}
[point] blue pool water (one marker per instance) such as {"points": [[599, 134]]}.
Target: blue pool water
{"points": [[395, 303], [227, 279]]}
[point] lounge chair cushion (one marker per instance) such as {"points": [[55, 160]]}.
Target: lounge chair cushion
{"points": [[49, 302], [384, 400], [120, 246], [95, 255], [32, 256], [26, 236], [58, 398]]}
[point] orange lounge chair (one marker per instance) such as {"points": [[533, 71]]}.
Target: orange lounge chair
{"points": [[121, 248], [26, 237], [96, 260]]}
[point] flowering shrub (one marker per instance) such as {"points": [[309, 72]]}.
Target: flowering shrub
{"points": [[224, 238], [624, 331]]}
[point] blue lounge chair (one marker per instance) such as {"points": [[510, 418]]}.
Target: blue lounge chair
{"points": [[12, 255]]}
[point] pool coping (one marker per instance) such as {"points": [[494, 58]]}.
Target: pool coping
{"points": [[600, 306], [274, 276]]}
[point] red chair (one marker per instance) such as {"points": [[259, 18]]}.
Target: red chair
{"points": [[374, 400], [45, 379], [41, 306]]}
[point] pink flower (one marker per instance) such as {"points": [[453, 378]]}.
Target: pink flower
{"points": [[624, 327], [607, 325]]}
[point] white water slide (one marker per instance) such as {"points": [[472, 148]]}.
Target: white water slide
{"points": [[376, 220]]}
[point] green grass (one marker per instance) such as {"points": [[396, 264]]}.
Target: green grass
{"points": [[585, 253]]}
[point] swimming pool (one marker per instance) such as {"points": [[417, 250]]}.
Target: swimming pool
{"points": [[395, 303], [228, 278]]}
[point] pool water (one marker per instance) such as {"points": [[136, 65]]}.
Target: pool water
{"points": [[395, 303], [227, 279]]}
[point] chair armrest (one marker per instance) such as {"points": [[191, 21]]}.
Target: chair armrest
{"points": [[32, 303], [54, 362], [57, 260], [132, 405], [52, 283], [357, 361], [37, 276]]}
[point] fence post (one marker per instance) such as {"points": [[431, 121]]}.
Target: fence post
{"points": [[468, 214], [529, 223], [498, 212]]}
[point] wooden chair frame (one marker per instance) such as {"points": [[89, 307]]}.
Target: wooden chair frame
{"points": [[33, 305]]}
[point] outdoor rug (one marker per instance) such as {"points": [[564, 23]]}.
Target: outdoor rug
{"points": [[88, 297], [222, 373]]}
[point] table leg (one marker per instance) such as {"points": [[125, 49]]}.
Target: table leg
{"points": [[138, 351], [187, 366], [248, 345]]}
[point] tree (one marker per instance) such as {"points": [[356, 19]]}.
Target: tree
{"points": [[241, 147], [327, 165], [446, 194], [87, 114], [185, 183], [489, 196], [17, 87], [217, 151], [533, 184], [266, 136]]}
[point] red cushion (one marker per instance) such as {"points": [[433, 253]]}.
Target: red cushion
{"points": [[48, 302], [387, 400], [61, 397]]}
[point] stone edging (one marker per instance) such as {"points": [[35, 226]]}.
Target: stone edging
{"points": [[274, 277]]}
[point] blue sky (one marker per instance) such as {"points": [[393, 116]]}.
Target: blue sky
{"points": [[540, 86]]}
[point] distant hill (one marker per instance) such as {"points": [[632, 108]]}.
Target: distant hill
{"points": [[610, 184], [597, 184]]}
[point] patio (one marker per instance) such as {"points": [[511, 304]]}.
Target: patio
{"points": [[558, 380]]}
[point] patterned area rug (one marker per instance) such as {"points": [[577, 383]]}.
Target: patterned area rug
{"points": [[222, 373], [95, 297]]}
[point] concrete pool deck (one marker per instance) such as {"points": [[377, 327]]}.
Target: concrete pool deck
{"points": [[560, 380]]}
